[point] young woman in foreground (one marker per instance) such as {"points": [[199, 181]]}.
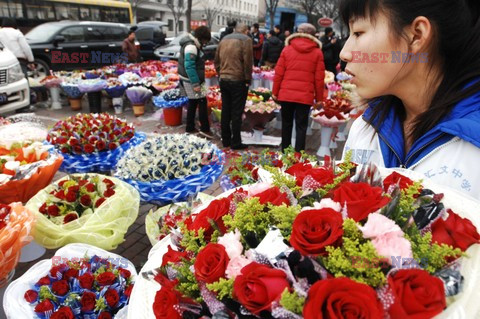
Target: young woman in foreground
{"points": [[417, 65]]}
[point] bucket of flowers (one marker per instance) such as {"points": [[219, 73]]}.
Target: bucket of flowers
{"points": [[115, 90], [138, 96], [352, 243], [91, 208], [172, 102], [79, 281], [92, 142], [171, 167]]}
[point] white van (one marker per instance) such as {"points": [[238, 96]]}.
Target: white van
{"points": [[14, 89]]}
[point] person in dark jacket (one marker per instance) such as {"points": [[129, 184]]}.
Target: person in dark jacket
{"points": [[191, 70], [331, 50], [298, 82], [229, 29], [258, 39], [272, 48], [129, 47], [279, 33]]}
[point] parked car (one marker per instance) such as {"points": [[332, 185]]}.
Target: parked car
{"points": [[171, 51], [69, 41], [14, 89], [150, 35]]}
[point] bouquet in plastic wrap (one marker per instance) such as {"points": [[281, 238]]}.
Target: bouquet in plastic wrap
{"points": [[334, 112], [79, 281], [210, 71], [349, 243], [170, 99], [16, 225], [115, 88], [138, 95], [130, 78], [163, 85], [92, 142], [169, 168], [92, 85], [51, 81], [93, 74], [91, 208], [72, 90]]}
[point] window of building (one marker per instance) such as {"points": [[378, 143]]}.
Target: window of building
{"points": [[223, 20], [170, 25], [218, 20]]}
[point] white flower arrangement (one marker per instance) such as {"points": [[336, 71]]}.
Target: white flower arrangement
{"points": [[164, 157]]}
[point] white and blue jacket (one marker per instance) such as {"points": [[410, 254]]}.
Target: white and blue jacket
{"points": [[449, 154]]}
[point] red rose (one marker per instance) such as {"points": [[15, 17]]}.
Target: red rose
{"points": [[361, 199], [63, 313], [298, 170], [44, 306], [71, 196], [104, 315], [64, 150], [57, 271], [88, 301], [30, 296], [315, 229], [164, 304], [77, 149], [81, 183], [112, 146], [112, 297], [273, 196], [92, 139], [73, 141], [108, 182], [86, 280], [53, 210], [60, 288], [86, 200], [396, 178], [100, 202], [173, 256], [211, 263], [125, 273], [105, 279], [417, 294], [342, 298], [74, 189], [259, 286], [43, 281], [60, 194], [88, 148], [70, 217], [109, 192], [71, 273], [213, 213], [456, 231], [43, 209], [90, 187], [100, 145], [128, 290]]}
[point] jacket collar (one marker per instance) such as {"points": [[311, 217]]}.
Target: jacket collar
{"points": [[302, 35], [195, 40]]}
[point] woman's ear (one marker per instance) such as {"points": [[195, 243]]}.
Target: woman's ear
{"points": [[420, 34]]}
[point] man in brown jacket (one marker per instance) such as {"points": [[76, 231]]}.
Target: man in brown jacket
{"points": [[233, 61], [130, 49]]}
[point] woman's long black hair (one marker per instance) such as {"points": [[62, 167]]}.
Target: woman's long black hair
{"points": [[456, 46]]}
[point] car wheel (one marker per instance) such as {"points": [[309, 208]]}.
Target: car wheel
{"points": [[41, 69]]}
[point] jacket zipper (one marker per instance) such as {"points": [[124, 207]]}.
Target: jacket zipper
{"points": [[404, 164], [453, 140]]}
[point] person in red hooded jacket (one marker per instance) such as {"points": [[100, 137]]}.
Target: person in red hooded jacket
{"points": [[299, 82]]}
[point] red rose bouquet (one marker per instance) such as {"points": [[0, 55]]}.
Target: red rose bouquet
{"points": [[90, 208], [340, 247]]}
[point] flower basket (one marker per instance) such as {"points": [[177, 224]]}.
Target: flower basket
{"points": [[16, 306], [171, 167], [104, 225], [14, 234], [172, 116], [267, 265]]}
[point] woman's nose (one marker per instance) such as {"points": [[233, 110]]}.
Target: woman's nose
{"points": [[346, 53]]}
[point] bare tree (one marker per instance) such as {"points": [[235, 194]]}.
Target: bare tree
{"points": [[331, 9], [271, 6], [177, 7], [188, 14], [310, 7], [211, 9]]}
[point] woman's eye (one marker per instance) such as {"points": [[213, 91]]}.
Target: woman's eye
{"points": [[357, 34]]}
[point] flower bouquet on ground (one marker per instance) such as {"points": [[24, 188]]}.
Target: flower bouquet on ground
{"points": [[92, 142], [164, 85], [115, 90], [16, 223], [138, 96], [160, 222], [263, 92], [25, 168], [256, 77], [214, 102], [211, 77], [172, 102], [258, 114], [169, 168], [92, 85], [52, 83], [130, 79], [74, 95], [92, 208], [93, 74], [348, 244], [80, 281]]}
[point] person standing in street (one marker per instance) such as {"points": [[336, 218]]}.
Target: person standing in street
{"points": [[331, 50], [298, 83], [233, 62], [191, 69], [229, 29], [258, 39], [271, 50], [14, 40], [130, 49]]}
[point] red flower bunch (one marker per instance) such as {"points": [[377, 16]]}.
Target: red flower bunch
{"points": [[74, 196], [89, 133], [4, 213]]}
